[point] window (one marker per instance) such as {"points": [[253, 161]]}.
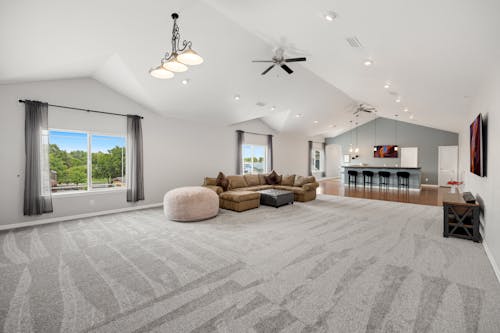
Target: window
{"points": [[254, 159], [316, 160], [83, 161]]}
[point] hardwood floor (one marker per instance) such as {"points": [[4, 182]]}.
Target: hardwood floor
{"points": [[426, 196]]}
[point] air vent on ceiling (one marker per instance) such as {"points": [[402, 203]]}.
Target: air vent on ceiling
{"points": [[261, 104], [354, 42]]}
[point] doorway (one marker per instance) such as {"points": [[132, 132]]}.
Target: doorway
{"points": [[447, 164]]}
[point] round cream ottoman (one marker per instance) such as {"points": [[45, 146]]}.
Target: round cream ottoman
{"points": [[194, 203]]}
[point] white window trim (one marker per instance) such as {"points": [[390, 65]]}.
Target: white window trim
{"points": [[90, 190], [252, 149]]}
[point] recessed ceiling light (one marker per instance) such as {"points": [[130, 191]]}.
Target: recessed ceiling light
{"points": [[315, 121], [237, 97], [412, 116], [273, 108], [330, 16], [387, 85], [298, 115], [185, 81], [398, 100], [405, 109], [368, 62]]}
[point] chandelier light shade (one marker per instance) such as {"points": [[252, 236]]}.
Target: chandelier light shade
{"points": [[190, 57], [174, 66], [178, 59], [160, 72]]}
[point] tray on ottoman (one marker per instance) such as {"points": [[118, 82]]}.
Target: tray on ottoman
{"points": [[275, 198]]}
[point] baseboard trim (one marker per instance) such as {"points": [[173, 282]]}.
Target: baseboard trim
{"points": [[492, 261], [75, 217]]}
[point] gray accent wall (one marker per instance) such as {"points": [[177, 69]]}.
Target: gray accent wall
{"points": [[383, 131]]}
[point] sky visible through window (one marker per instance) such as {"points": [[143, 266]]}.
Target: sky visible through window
{"points": [[73, 141]]}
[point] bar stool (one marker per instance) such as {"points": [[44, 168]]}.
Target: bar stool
{"points": [[384, 178], [352, 174], [369, 175], [403, 179]]}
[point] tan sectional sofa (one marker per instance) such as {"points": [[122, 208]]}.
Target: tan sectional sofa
{"points": [[241, 193]]}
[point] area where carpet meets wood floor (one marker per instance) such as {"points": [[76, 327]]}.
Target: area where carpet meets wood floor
{"points": [[332, 265]]}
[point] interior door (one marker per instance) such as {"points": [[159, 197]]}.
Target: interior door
{"points": [[333, 160], [409, 157], [447, 164]]}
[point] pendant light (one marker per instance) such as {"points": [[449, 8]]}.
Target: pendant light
{"points": [[375, 136], [396, 148], [179, 58]]}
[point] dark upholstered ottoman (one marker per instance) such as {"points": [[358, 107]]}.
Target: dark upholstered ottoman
{"points": [[276, 198]]}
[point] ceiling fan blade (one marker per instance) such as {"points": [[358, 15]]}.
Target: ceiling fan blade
{"points": [[295, 59], [262, 61], [287, 69], [267, 70]]}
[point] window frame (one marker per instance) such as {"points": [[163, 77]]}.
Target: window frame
{"points": [[313, 160], [253, 155], [90, 189]]}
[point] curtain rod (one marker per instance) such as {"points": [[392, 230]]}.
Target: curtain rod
{"points": [[80, 109], [254, 133]]}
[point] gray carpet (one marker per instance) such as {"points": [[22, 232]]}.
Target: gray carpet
{"points": [[333, 265]]}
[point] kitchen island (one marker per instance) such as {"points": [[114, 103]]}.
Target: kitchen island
{"points": [[415, 174]]}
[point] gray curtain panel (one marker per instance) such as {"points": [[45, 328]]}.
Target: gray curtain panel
{"points": [[324, 159], [240, 137], [135, 162], [270, 152], [309, 158], [37, 191]]}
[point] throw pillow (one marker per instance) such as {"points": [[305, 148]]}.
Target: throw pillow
{"points": [[273, 178], [222, 181], [299, 181], [210, 181], [288, 180]]}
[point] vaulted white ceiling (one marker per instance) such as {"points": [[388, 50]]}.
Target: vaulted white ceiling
{"points": [[434, 53]]}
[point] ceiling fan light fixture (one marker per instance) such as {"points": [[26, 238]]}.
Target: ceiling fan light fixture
{"points": [[190, 57], [174, 66], [160, 72]]}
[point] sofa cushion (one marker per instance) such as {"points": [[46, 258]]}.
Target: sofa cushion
{"points": [[210, 181], [262, 178], [273, 178], [236, 182], [254, 188], [301, 180], [252, 180], [240, 196], [310, 186], [287, 180], [222, 181], [294, 189]]}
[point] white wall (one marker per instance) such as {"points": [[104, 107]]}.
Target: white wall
{"points": [[176, 152], [486, 189]]}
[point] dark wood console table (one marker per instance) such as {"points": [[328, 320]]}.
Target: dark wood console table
{"points": [[461, 219]]}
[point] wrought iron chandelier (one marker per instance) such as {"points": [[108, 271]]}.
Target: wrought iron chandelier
{"points": [[179, 58]]}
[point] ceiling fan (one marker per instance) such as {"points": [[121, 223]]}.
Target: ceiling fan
{"points": [[279, 60], [364, 108]]}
